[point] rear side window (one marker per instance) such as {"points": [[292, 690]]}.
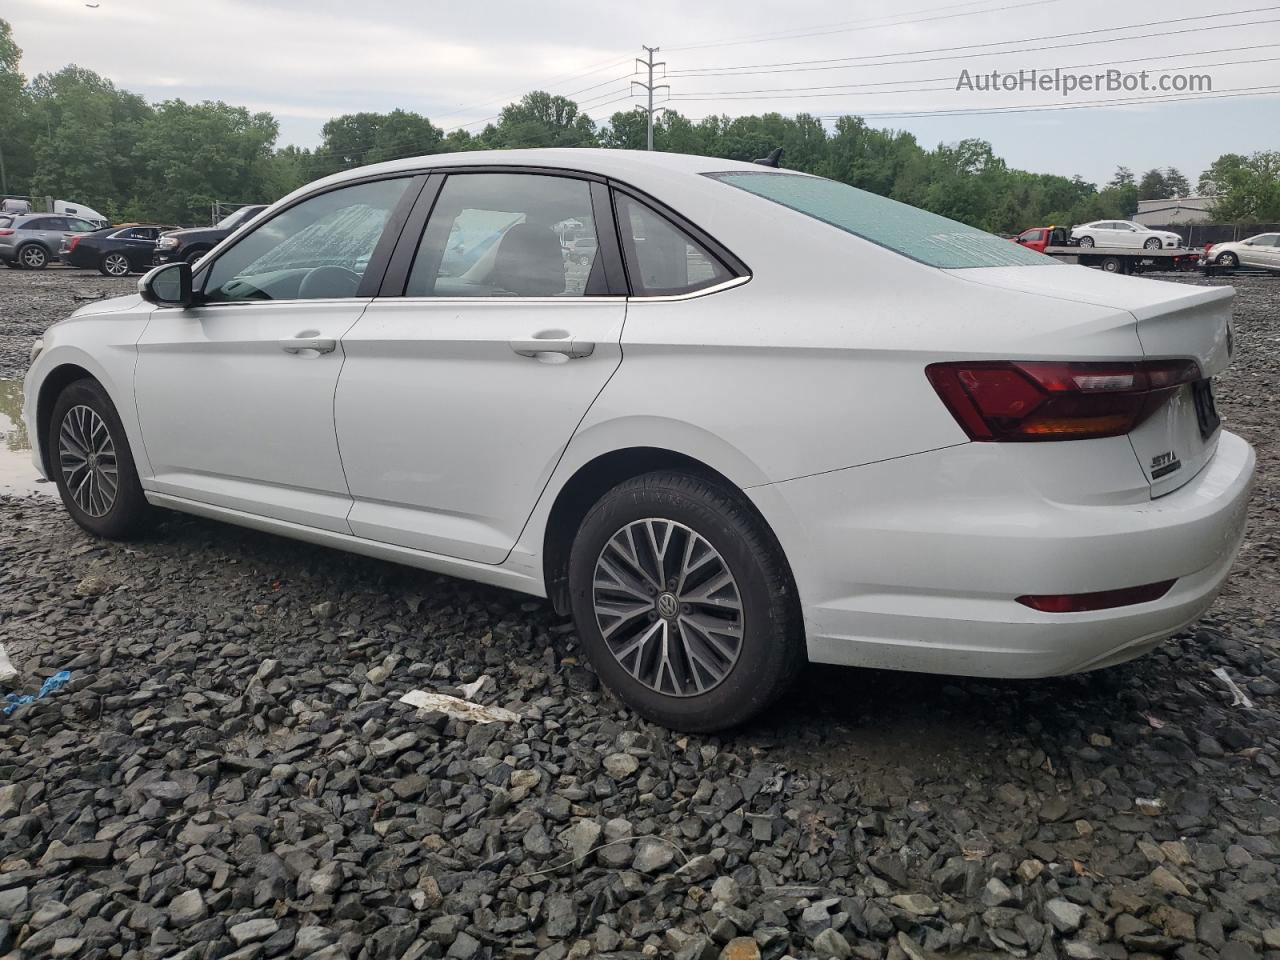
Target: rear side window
{"points": [[509, 235], [918, 234], [6, 222], [663, 260]]}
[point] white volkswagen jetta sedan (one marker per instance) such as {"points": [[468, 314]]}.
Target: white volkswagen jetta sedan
{"points": [[1123, 233], [772, 417]]}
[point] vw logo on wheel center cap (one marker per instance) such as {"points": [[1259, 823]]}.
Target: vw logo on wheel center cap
{"points": [[668, 605]]}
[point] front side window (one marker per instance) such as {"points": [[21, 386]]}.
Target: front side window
{"points": [[1032, 236], [76, 225], [663, 260], [317, 249], [910, 231], [1267, 240], [509, 235]]}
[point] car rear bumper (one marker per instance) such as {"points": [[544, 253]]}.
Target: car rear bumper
{"points": [[916, 563]]}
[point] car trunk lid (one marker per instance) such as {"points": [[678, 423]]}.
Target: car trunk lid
{"points": [[1172, 321]]}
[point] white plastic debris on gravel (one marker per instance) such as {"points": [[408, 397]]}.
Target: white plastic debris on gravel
{"points": [[458, 708]]}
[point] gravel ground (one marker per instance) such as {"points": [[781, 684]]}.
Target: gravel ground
{"points": [[229, 773]]}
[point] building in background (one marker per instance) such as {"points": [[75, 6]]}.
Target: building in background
{"points": [[1174, 211]]}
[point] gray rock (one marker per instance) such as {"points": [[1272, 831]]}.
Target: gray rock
{"points": [[830, 943], [187, 908], [251, 931], [1063, 915], [652, 855]]}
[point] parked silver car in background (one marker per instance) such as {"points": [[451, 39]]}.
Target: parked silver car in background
{"points": [[31, 241], [1260, 251]]}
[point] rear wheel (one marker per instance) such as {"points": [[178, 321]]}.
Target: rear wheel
{"points": [[1152, 244], [33, 257], [1227, 259], [684, 603], [114, 265], [92, 464], [1112, 265], [1086, 241]]}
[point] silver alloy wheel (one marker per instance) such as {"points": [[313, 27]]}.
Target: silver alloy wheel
{"points": [[668, 607], [116, 264], [87, 458], [34, 257]]}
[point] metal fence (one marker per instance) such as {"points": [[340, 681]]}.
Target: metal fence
{"points": [[1198, 234]]}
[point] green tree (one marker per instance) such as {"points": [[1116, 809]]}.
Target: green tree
{"points": [[1153, 186], [192, 154], [1123, 178], [1245, 189], [85, 131], [541, 120], [355, 139], [1175, 183], [14, 106]]}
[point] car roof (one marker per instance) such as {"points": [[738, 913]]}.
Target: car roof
{"points": [[633, 166]]}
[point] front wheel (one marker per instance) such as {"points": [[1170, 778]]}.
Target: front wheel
{"points": [[1086, 241], [684, 603], [33, 257], [114, 265], [1228, 259], [1152, 244], [92, 464]]}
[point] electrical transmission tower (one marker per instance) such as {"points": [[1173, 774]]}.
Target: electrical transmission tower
{"points": [[649, 87]]}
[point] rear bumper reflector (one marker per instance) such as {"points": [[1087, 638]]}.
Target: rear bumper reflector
{"points": [[1102, 600]]}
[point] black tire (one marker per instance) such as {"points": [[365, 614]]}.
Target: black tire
{"points": [[113, 259], [129, 513], [191, 256], [1112, 265], [1228, 259], [1152, 244], [32, 256], [771, 649], [1086, 241]]}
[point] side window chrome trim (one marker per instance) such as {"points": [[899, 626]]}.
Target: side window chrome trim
{"points": [[704, 292], [458, 301]]}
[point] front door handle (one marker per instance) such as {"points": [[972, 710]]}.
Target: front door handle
{"points": [[565, 346], [299, 344]]}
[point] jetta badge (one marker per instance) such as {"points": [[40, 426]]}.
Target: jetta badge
{"points": [[1163, 464]]}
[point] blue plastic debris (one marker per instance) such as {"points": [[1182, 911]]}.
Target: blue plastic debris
{"points": [[56, 682]]}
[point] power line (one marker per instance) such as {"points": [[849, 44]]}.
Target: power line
{"points": [[845, 88], [564, 78], [858, 25], [1265, 90], [836, 63]]}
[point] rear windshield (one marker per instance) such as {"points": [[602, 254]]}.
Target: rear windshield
{"points": [[6, 222], [905, 229]]}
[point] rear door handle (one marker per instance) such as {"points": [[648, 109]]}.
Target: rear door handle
{"points": [[318, 344], [566, 346]]}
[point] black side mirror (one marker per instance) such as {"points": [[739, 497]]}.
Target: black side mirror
{"points": [[168, 285]]}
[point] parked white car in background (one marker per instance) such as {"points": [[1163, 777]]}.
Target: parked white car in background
{"points": [[1123, 233], [774, 417], [1260, 251]]}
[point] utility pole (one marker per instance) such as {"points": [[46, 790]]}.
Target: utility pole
{"points": [[649, 87]]}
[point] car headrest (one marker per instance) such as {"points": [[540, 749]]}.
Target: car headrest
{"points": [[529, 262]]}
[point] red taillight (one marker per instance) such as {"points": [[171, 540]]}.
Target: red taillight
{"points": [[1003, 400], [6, 233], [72, 245], [1102, 600]]}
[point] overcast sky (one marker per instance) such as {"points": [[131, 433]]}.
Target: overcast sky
{"points": [[459, 63]]}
